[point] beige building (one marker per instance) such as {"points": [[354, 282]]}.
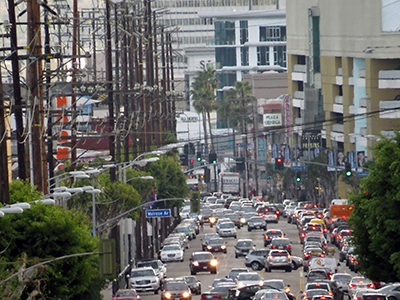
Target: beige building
{"points": [[343, 69]]}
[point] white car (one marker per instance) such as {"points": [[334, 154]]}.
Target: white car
{"points": [[219, 222], [227, 229], [171, 252], [144, 280], [359, 282], [248, 278]]}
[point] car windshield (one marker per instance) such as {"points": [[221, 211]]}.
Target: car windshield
{"points": [[249, 277], [152, 264], [257, 219], [175, 286], [125, 293], [190, 279], [216, 242], [274, 284], [202, 256], [341, 277], [234, 273], [208, 237], [245, 244], [227, 225], [274, 295], [279, 253], [280, 242], [171, 248], [142, 273]]}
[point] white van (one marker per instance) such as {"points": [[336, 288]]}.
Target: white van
{"points": [[324, 262]]}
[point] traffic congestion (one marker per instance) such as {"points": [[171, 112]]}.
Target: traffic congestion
{"points": [[243, 249]]}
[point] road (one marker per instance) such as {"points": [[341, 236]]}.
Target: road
{"points": [[227, 261]]}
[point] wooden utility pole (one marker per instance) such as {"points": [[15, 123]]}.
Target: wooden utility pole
{"points": [[109, 79], [164, 104], [73, 85], [22, 174], [4, 191], [34, 75], [117, 98]]}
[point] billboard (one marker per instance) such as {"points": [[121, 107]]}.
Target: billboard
{"points": [[271, 120], [390, 15]]}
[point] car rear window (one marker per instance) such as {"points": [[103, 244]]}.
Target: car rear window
{"points": [[374, 297]]}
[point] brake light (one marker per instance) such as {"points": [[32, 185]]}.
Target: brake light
{"points": [[277, 212], [325, 230], [260, 214], [303, 235], [352, 285], [371, 285], [307, 255], [266, 237], [273, 247], [288, 247], [330, 293]]}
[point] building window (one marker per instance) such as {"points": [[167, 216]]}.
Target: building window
{"points": [[244, 35], [272, 33], [225, 33], [280, 56], [244, 55], [263, 56]]}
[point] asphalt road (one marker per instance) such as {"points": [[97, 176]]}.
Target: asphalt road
{"points": [[227, 261]]}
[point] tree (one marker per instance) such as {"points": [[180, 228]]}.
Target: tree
{"points": [[170, 181], [203, 93], [41, 233], [374, 220]]}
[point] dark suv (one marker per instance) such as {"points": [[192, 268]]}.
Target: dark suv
{"points": [[203, 261], [176, 289], [282, 244], [256, 222], [243, 246]]}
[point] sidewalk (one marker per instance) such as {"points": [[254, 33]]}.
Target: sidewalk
{"points": [[107, 292]]}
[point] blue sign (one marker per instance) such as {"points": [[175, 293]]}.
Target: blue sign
{"points": [[299, 168], [362, 174], [158, 213]]}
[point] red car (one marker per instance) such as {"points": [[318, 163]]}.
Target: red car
{"points": [[126, 295]]}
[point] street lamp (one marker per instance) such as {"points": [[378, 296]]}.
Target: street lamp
{"points": [[141, 177], [94, 192]]}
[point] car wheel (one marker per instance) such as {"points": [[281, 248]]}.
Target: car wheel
{"points": [[255, 265], [248, 229], [225, 251], [236, 256], [392, 298], [294, 266], [265, 244], [156, 292], [199, 291], [289, 269], [235, 237], [214, 271], [192, 272], [183, 259], [267, 269], [211, 225]]}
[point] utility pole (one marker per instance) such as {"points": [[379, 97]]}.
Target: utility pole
{"points": [[117, 85], [75, 70], [34, 75], [22, 174], [255, 146], [4, 183], [109, 79]]}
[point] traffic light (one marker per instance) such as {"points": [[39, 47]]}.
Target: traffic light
{"points": [[207, 175], [279, 163], [198, 156], [240, 164], [191, 163], [298, 177], [347, 168], [212, 158], [184, 159]]}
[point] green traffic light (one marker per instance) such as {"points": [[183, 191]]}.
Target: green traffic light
{"points": [[199, 159], [298, 179], [214, 162], [348, 173]]}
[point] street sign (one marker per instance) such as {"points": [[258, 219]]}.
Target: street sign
{"points": [[158, 213], [299, 168], [362, 174]]}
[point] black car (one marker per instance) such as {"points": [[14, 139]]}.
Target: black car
{"points": [[194, 284], [207, 237], [223, 291], [243, 246], [256, 222], [271, 234], [216, 245], [176, 289], [203, 261], [282, 244]]}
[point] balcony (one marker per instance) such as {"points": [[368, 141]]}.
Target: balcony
{"points": [[299, 73], [298, 100], [361, 78], [389, 79], [391, 109], [339, 77], [338, 128], [298, 121]]}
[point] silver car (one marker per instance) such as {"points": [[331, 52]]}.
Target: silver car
{"points": [[255, 259], [278, 259], [343, 280]]}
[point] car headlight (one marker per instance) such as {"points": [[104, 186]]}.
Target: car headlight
{"points": [[213, 262], [261, 283], [223, 247], [240, 284], [196, 263], [242, 220], [212, 220], [185, 295], [209, 247], [167, 295], [200, 217], [153, 281]]}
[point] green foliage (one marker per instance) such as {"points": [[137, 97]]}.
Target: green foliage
{"points": [[170, 181], [375, 215], [22, 191], [45, 232]]}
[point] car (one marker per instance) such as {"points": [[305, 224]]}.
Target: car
{"points": [[194, 223], [235, 218], [255, 259], [271, 217], [342, 280], [297, 262], [156, 264], [281, 244], [256, 222], [233, 273], [227, 229], [322, 297], [331, 286], [317, 274], [186, 229], [144, 280], [126, 294], [368, 294], [343, 252], [248, 278], [308, 295], [391, 290], [193, 283], [222, 281], [216, 245], [243, 246], [270, 294], [203, 261], [176, 289], [278, 259], [222, 291], [206, 238], [221, 221], [172, 252], [279, 284], [358, 282], [271, 234]]}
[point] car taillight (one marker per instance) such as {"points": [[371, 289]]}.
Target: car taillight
{"points": [[273, 247], [307, 255], [356, 262], [352, 285], [288, 247], [277, 212], [260, 214], [266, 237], [303, 235], [325, 230], [358, 298], [371, 285], [330, 293]]}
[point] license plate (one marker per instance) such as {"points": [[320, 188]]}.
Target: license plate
{"points": [[258, 226], [204, 268]]}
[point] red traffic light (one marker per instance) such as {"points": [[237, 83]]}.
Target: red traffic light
{"points": [[192, 161], [279, 160]]}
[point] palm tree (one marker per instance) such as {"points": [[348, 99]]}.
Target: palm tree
{"points": [[203, 93]]}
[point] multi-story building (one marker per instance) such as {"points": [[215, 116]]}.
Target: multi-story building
{"points": [[343, 68]]}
